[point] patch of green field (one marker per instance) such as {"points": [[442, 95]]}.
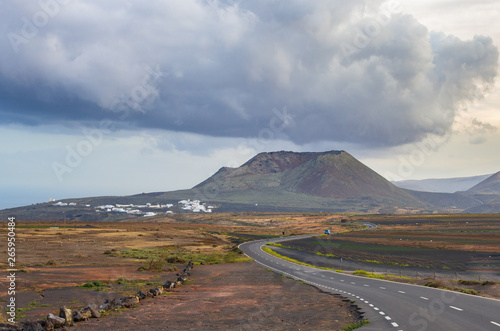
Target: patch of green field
{"points": [[355, 326], [159, 256], [367, 274], [437, 284]]}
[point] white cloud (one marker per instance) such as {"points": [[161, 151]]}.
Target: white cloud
{"points": [[225, 65], [194, 86]]}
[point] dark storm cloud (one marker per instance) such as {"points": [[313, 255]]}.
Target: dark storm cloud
{"points": [[354, 71]]}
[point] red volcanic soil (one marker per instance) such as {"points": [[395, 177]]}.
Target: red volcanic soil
{"points": [[239, 296], [234, 297]]}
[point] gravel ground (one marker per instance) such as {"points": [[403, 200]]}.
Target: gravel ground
{"points": [[234, 297]]}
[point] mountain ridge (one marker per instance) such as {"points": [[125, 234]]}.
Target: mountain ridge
{"points": [[284, 181], [490, 185], [441, 185]]}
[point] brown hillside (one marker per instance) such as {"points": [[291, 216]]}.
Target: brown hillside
{"points": [[333, 174], [339, 175], [490, 185]]}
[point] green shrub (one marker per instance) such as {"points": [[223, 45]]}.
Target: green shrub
{"points": [[354, 326], [37, 304], [121, 280], [465, 290], [434, 284], [93, 284], [154, 265]]}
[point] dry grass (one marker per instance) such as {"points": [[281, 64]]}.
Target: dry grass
{"points": [[84, 243]]}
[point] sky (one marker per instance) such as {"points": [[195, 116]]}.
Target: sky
{"points": [[124, 97]]}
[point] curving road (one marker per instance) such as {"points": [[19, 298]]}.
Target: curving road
{"points": [[390, 305]]}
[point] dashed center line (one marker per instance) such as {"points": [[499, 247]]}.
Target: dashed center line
{"points": [[456, 308], [495, 323], [424, 298], [388, 318]]}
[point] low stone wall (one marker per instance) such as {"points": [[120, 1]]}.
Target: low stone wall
{"points": [[68, 318]]}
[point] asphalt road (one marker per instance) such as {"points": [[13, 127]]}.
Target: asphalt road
{"points": [[389, 305]]}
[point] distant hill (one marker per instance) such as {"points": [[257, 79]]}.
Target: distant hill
{"points": [[442, 185], [492, 207], [490, 185], [488, 192], [330, 175], [447, 201]]}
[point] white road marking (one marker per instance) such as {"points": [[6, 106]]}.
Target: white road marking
{"points": [[424, 298], [456, 308], [394, 324], [495, 323]]}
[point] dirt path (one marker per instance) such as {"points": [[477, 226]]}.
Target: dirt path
{"points": [[234, 297]]}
